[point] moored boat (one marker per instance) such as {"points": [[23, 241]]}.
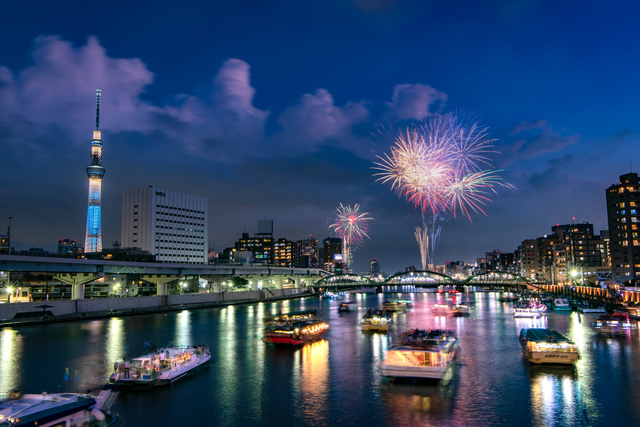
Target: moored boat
{"points": [[561, 304], [547, 346], [588, 308], [163, 366], [421, 354], [294, 316], [375, 320], [295, 333], [58, 409]]}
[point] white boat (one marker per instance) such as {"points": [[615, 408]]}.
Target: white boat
{"points": [[422, 354], [161, 367], [561, 304], [461, 309], [59, 409], [529, 308], [587, 308], [375, 320], [547, 346]]}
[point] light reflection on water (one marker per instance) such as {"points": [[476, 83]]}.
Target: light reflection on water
{"points": [[10, 359], [337, 380]]}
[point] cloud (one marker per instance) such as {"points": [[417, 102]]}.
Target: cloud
{"points": [[532, 139], [315, 120], [414, 101]]}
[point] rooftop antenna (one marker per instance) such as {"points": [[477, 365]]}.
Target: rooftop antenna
{"points": [[98, 94], [9, 229]]}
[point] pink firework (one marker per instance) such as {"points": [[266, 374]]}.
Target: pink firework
{"points": [[351, 226]]}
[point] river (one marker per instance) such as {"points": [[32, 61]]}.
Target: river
{"points": [[336, 381]]}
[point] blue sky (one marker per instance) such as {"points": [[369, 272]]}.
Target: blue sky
{"points": [[268, 109]]}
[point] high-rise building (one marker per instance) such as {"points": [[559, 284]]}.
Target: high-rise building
{"points": [[623, 205], [261, 246], [95, 172], [284, 252], [333, 261], [374, 267], [67, 246], [307, 253], [170, 225]]}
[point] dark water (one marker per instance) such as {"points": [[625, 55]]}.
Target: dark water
{"points": [[336, 381]]}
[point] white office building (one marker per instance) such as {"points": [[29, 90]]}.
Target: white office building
{"points": [[170, 225]]}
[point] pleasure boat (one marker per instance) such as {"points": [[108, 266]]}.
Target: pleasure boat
{"points": [[421, 354], [375, 320], [561, 304], [59, 409], [587, 308], [529, 308], [348, 306], [395, 305], [294, 316], [164, 366], [547, 346], [295, 333], [613, 324], [461, 309]]}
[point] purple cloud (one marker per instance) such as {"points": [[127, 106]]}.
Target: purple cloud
{"points": [[413, 101], [533, 139]]}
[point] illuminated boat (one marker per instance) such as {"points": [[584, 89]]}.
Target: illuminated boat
{"points": [[613, 324], [375, 320], [161, 367], [587, 308], [59, 409], [295, 333], [529, 308], [547, 346], [461, 310], [422, 354], [348, 306], [295, 316], [395, 305], [506, 297], [561, 304]]}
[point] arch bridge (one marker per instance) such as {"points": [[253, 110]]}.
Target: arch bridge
{"points": [[424, 279]]}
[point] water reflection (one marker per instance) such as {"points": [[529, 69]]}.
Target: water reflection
{"points": [[10, 360], [411, 404], [183, 329], [115, 348], [314, 383]]}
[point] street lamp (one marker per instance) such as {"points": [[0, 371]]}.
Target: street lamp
{"points": [[9, 291]]}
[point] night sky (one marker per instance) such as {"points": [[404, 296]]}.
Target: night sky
{"points": [[278, 109]]}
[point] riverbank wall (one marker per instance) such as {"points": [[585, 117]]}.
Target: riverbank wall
{"points": [[62, 311]]}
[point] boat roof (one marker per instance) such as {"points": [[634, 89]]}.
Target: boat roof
{"points": [[173, 351], [545, 335], [42, 408]]}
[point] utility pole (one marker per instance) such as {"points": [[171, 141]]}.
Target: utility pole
{"points": [[9, 229]]}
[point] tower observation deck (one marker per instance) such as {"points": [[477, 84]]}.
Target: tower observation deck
{"points": [[95, 172]]}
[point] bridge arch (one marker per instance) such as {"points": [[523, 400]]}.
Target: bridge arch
{"points": [[344, 279], [497, 277], [420, 277]]}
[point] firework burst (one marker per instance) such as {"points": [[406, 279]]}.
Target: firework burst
{"points": [[351, 226], [441, 166]]}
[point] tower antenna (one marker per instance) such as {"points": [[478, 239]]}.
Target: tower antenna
{"points": [[98, 94]]}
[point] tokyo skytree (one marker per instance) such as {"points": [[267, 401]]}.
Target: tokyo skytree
{"points": [[95, 172]]}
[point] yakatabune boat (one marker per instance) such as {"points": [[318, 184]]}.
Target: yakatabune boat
{"points": [[375, 320], [547, 346], [294, 316], [55, 410], [161, 367], [529, 308], [295, 333], [422, 354]]}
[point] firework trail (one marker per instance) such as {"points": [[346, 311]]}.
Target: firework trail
{"points": [[441, 166], [351, 226]]}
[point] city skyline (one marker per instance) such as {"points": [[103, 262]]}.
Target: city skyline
{"points": [[279, 112]]}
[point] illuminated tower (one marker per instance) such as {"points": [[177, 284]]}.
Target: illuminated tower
{"points": [[95, 172]]}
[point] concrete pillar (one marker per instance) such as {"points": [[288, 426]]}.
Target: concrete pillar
{"points": [[297, 282], [217, 287], [161, 288], [279, 281], [77, 291], [254, 284]]}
